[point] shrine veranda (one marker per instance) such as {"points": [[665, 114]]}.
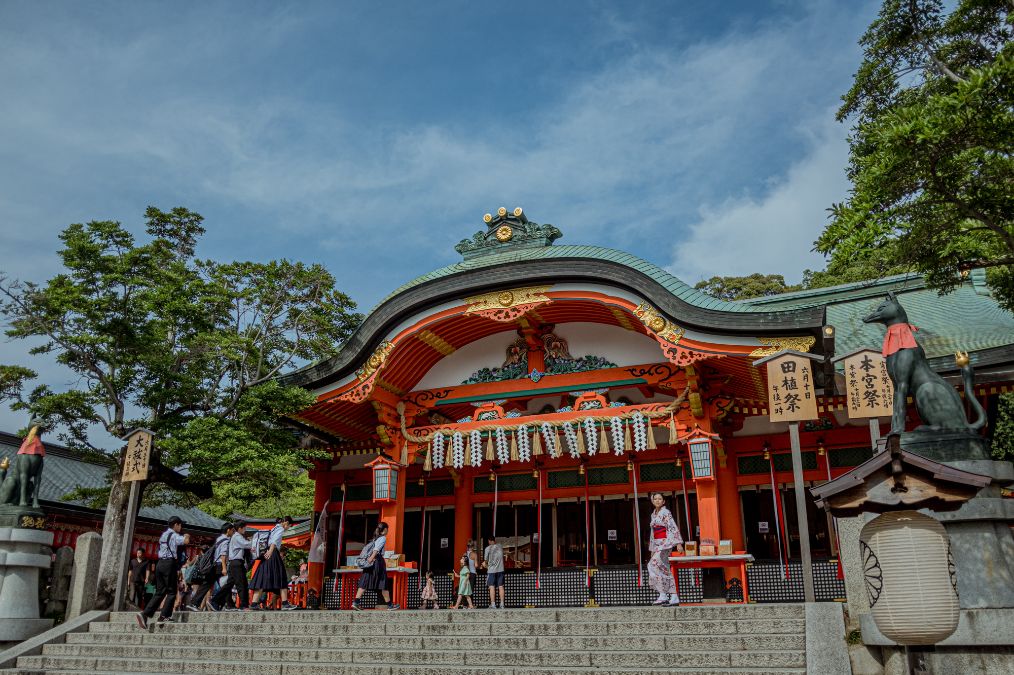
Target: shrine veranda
{"points": [[558, 381]]}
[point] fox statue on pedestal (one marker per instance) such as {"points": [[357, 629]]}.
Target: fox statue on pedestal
{"points": [[939, 405]]}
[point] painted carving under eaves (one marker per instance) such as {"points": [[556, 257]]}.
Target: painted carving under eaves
{"points": [[558, 362]]}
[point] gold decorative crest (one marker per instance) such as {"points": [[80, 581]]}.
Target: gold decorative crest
{"points": [[658, 324], [504, 233], [376, 360], [777, 344], [507, 305]]}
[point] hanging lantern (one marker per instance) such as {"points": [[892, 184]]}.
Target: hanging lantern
{"points": [[385, 479], [699, 444], [910, 608]]}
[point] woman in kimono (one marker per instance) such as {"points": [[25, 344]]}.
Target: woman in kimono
{"points": [[665, 536]]}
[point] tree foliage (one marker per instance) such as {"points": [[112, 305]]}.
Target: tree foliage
{"points": [[741, 288], [931, 147], [188, 348], [1003, 435]]}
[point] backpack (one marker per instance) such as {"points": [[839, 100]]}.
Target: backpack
{"points": [[363, 559], [206, 564], [259, 544]]}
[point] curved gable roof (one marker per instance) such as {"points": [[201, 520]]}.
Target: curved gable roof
{"points": [[505, 266]]}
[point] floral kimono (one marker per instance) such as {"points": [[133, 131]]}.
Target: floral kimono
{"points": [[665, 536]]}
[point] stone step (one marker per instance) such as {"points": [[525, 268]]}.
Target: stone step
{"points": [[476, 655], [598, 664], [226, 624], [630, 642], [696, 613]]}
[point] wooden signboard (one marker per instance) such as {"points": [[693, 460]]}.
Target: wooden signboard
{"points": [[135, 464], [791, 393], [868, 387]]}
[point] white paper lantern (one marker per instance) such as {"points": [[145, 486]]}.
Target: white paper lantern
{"points": [[910, 577]]}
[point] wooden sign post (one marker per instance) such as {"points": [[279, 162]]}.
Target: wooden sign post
{"points": [[868, 388], [792, 397], [135, 470]]}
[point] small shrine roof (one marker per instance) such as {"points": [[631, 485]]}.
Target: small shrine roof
{"points": [[67, 470]]}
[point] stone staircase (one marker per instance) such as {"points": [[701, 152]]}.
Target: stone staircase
{"points": [[695, 640]]}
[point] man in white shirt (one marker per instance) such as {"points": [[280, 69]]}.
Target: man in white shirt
{"points": [[166, 570], [239, 549]]}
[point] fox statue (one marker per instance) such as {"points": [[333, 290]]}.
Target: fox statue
{"points": [[938, 403]]}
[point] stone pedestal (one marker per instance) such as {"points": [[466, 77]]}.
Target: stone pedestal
{"points": [[23, 553]]}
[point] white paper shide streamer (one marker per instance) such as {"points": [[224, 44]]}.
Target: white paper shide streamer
{"points": [[570, 435], [437, 451], [549, 439], [616, 429], [640, 432], [458, 450], [524, 444], [591, 435], [475, 447], [503, 451]]}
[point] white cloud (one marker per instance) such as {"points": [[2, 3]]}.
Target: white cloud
{"points": [[773, 233]]}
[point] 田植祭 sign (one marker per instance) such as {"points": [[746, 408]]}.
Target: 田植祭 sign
{"points": [[791, 393]]}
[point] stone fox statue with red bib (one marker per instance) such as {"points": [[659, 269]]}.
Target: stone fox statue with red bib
{"points": [[21, 482], [938, 403]]}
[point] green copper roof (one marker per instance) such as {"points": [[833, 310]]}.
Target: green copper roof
{"points": [[967, 319], [671, 283]]}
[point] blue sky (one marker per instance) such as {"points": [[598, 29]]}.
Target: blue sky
{"points": [[371, 137]]}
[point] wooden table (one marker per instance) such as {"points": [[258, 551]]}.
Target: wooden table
{"points": [[735, 560], [399, 585]]}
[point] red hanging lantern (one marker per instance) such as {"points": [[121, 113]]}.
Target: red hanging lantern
{"points": [[385, 479]]}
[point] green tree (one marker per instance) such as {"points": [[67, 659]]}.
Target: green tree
{"points": [[1003, 434], [741, 288], [931, 146], [188, 348]]}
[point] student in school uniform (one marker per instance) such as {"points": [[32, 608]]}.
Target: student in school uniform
{"points": [[239, 551], [270, 576], [170, 545], [221, 567]]}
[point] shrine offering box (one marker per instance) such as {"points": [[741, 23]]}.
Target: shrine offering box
{"points": [[690, 547], [708, 549], [393, 559], [725, 547]]}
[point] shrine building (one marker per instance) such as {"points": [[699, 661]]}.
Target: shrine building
{"points": [[541, 391]]}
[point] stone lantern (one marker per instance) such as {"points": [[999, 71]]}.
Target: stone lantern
{"points": [[908, 571]]}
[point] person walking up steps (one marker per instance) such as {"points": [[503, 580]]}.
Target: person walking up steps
{"points": [[464, 585], [492, 560], [166, 573], [429, 593], [220, 567], [239, 550], [374, 576], [270, 576], [665, 535]]}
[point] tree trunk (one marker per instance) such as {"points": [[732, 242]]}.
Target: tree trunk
{"points": [[113, 553]]}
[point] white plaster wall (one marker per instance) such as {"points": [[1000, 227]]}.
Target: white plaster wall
{"points": [[488, 352], [621, 346]]}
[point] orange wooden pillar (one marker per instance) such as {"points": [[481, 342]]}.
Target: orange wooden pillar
{"points": [[729, 512], [321, 492], [707, 510], [393, 513], [462, 514]]}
